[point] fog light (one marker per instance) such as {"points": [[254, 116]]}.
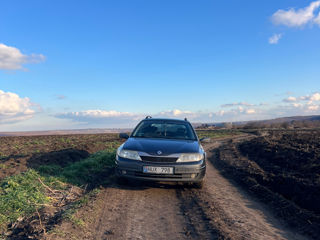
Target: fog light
{"points": [[124, 172], [193, 175]]}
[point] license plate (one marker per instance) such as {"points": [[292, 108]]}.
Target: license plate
{"points": [[158, 170]]}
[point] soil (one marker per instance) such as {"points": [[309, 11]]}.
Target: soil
{"points": [[223, 209], [291, 165], [17, 154], [279, 188]]}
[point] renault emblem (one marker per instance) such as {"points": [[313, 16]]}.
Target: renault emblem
{"points": [[159, 152]]}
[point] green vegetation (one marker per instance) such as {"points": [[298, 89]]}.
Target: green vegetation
{"points": [[77, 221], [216, 133], [37, 142], [22, 194], [2, 155], [70, 212], [3, 166], [87, 171]]}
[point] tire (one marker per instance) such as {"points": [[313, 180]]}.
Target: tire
{"points": [[198, 185], [122, 181]]}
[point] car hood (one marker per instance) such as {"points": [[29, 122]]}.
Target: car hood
{"points": [[166, 146]]}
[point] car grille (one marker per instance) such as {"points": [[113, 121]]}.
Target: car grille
{"points": [[159, 159]]}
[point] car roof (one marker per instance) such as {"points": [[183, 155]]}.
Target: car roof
{"points": [[164, 119]]}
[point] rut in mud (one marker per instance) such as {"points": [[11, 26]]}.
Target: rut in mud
{"points": [[221, 210]]}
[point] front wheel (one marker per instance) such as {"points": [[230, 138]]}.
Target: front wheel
{"points": [[198, 185], [122, 180]]}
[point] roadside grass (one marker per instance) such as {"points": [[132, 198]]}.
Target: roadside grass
{"points": [[72, 209], [2, 156], [216, 133], [88, 171], [20, 196], [23, 194], [3, 166]]}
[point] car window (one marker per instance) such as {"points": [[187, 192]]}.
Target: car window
{"points": [[171, 130]]}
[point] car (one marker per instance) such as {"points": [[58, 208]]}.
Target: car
{"points": [[162, 150]]}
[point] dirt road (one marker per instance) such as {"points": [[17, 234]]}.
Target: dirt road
{"points": [[221, 210]]}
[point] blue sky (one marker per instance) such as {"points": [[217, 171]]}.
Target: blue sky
{"points": [[83, 64]]}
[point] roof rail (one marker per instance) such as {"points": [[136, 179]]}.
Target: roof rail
{"points": [[185, 119], [147, 117]]}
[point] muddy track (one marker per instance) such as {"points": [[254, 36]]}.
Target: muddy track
{"points": [[221, 210]]}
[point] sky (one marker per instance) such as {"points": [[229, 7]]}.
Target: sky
{"points": [[108, 64]]}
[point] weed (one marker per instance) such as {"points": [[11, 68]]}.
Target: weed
{"points": [[65, 140], [51, 169], [70, 212], [216, 133], [77, 221], [57, 232], [83, 172], [2, 156], [86, 171], [3, 166], [20, 195]]}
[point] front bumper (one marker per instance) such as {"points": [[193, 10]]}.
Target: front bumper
{"points": [[182, 172]]}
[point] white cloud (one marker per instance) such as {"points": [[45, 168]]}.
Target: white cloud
{"points": [[232, 112], [297, 105], [250, 111], [114, 117], [60, 97], [12, 59], [304, 104], [240, 113], [236, 104], [294, 106], [290, 99], [174, 113], [317, 20], [274, 39], [13, 108], [313, 107], [263, 104], [99, 116], [198, 116], [314, 97], [296, 17]]}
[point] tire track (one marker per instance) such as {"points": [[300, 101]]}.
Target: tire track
{"points": [[221, 210], [198, 222]]}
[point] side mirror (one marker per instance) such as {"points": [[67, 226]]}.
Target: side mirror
{"points": [[124, 135], [205, 139]]}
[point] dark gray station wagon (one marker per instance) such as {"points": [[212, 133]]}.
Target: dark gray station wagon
{"points": [[162, 150]]}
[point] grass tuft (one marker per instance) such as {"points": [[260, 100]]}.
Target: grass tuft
{"points": [[20, 195], [216, 133], [88, 171]]}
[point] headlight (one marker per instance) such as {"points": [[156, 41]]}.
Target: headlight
{"points": [[128, 154], [190, 157]]}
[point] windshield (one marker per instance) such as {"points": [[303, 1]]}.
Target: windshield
{"points": [[158, 129]]}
